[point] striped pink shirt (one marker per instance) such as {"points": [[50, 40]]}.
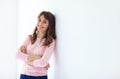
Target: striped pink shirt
{"points": [[38, 68]]}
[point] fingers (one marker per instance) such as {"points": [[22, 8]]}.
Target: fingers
{"points": [[23, 49], [29, 63], [33, 57], [47, 67]]}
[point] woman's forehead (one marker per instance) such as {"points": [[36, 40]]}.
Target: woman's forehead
{"points": [[42, 17]]}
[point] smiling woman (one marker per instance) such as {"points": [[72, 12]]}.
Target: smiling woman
{"points": [[38, 47]]}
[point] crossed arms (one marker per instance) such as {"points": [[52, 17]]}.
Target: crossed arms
{"points": [[30, 58]]}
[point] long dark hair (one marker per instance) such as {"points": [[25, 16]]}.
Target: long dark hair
{"points": [[50, 32]]}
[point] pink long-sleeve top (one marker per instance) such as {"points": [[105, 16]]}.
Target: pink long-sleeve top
{"points": [[38, 68]]}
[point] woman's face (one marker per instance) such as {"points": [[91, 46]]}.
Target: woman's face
{"points": [[42, 24]]}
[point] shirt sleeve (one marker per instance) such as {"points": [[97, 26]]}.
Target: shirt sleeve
{"points": [[43, 61], [20, 55]]}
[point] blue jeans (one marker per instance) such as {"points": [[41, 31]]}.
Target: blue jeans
{"points": [[22, 76]]}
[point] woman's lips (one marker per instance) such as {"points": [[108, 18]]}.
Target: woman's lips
{"points": [[40, 27]]}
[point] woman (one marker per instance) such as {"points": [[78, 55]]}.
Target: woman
{"points": [[38, 47]]}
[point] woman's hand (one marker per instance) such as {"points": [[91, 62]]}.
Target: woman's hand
{"points": [[48, 66], [31, 58], [23, 49]]}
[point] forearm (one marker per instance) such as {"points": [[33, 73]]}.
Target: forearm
{"points": [[32, 58], [21, 56]]}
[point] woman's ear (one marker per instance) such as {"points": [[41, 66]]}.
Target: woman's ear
{"points": [[36, 32]]}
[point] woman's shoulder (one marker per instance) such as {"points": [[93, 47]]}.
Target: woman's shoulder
{"points": [[53, 40]]}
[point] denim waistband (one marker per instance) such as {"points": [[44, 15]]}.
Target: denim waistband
{"points": [[23, 76]]}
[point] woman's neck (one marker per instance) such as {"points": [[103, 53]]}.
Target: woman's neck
{"points": [[40, 35]]}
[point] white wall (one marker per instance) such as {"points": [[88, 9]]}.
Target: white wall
{"points": [[88, 39], [8, 35]]}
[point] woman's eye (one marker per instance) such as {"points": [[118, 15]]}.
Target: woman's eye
{"points": [[39, 20], [44, 22]]}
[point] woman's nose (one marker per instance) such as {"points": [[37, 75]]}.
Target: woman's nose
{"points": [[39, 23]]}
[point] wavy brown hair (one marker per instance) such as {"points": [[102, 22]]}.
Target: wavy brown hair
{"points": [[50, 32]]}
